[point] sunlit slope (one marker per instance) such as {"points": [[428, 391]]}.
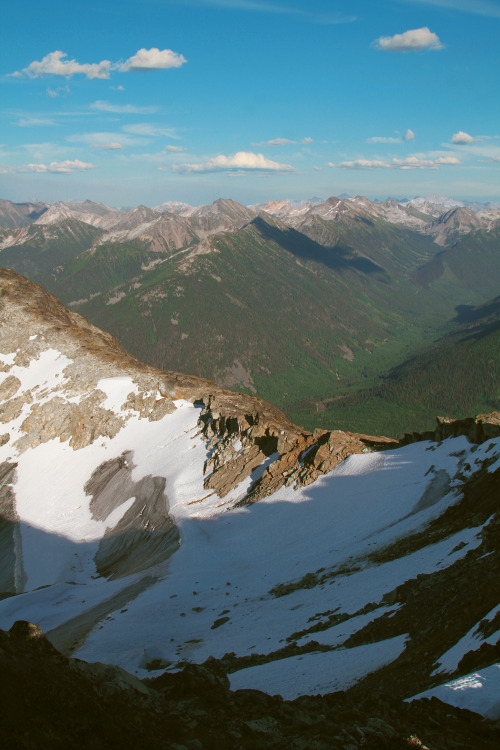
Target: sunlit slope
{"points": [[267, 309]]}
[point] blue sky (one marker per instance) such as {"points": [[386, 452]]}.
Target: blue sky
{"points": [[192, 100]]}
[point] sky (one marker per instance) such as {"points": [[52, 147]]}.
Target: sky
{"points": [[140, 103]]}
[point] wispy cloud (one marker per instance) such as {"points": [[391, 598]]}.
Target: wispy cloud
{"points": [[55, 167], [255, 6], [413, 40], [284, 142], [175, 149], [408, 136], [35, 122], [113, 146], [59, 91], [55, 64], [276, 142], [148, 130], [242, 161], [97, 139], [123, 109], [411, 162], [477, 7]]}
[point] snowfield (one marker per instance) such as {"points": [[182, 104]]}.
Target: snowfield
{"points": [[244, 581]]}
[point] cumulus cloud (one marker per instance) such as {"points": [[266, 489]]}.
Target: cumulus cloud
{"points": [[463, 138], [305, 141], [113, 146], [410, 41], [409, 135], [126, 109], [411, 162], [175, 148], [55, 167], [55, 64], [317, 169], [245, 161], [152, 59]]}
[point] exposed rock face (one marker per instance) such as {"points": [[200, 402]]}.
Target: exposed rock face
{"points": [[243, 431], [145, 535], [50, 700], [476, 429]]}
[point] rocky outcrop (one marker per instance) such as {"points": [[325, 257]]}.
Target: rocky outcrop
{"points": [[49, 700], [244, 432], [476, 429]]}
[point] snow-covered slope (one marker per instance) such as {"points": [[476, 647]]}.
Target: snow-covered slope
{"points": [[131, 533]]}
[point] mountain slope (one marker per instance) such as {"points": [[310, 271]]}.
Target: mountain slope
{"points": [[39, 249], [152, 518], [472, 262], [255, 303], [14, 215], [457, 375]]}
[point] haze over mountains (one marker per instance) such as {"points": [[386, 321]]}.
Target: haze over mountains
{"points": [[305, 303]]}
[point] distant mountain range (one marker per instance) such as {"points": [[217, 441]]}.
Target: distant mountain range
{"points": [[303, 302]]}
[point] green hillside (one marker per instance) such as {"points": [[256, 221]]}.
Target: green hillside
{"points": [[458, 376], [309, 322]]}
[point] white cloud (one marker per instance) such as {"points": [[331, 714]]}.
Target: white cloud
{"points": [[408, 136], [101, 138], [410, 162], [330, 164], [33, 122], [241, 161], [383, 139], [117, 88], [305, 141], [54, 64], [276, 142], [113, 146], [175, 148], [152, 59], [61, 167], [126, 109], [150, 131], [463, 138], [144, 59], [317, 169], [59, 91], [410, 41]]}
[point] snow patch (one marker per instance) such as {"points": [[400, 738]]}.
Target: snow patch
{"points": [[318, 673]]}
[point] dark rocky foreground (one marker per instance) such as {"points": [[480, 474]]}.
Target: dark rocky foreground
{"points": [[50, 701]]}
